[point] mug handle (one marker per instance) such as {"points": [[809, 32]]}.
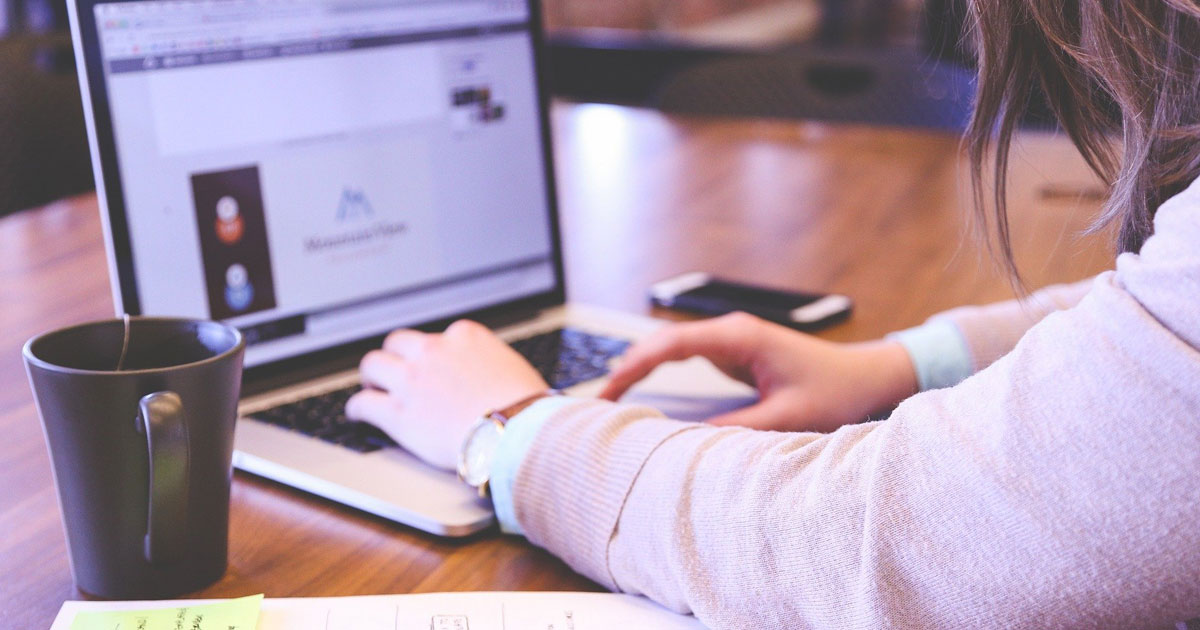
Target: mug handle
{"points": [[161, 419]]}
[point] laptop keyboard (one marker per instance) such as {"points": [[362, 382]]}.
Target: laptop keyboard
{"points": [[565, 357], [324, 417], [568, 357]]}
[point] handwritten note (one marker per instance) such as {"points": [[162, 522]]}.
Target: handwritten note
{"points": [[233, 614]]}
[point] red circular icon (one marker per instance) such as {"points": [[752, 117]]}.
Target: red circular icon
{"points": [[230, 232]]}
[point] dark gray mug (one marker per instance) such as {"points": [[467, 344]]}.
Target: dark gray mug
{"points": [[142, 457]]}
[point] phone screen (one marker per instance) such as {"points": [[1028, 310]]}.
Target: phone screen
{"points": [[744, 297], [709, 296]]}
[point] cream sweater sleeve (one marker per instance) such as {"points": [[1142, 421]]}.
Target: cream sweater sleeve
{"points": [[1055, 488], [953, 345], [992, 331]]}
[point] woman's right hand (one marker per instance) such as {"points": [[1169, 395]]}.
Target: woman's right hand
{"points": [[804, 383]]}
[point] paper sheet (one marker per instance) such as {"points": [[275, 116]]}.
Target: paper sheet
{"points": [[232, 614], [439, 611]]}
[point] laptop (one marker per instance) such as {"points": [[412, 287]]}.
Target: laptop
{"points": [[321, 172]]}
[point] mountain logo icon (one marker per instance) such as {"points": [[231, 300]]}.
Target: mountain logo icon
{"points": [[354, 205]]}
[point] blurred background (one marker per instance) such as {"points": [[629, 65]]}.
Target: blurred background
{"points": [[888, 62], [43, 146], [740, 23]]}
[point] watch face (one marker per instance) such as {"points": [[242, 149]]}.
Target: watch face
{"points": [[475, 465]]}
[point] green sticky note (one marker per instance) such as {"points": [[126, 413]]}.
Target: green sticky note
{"points": [[233, 614]]}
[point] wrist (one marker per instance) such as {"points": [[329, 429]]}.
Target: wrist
{"points": [[478, 449], [903, 382], [893, 378], [938, 353], [520, 436]]}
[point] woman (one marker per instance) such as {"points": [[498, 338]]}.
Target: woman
{"points": [[1054, 487]]}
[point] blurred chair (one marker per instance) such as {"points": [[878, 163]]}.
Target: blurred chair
{"points": [[43, 143], [884, 87]]}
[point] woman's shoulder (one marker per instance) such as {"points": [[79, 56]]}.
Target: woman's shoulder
{"points": [[1164, 276], [1176, 225], [1187, 201]]}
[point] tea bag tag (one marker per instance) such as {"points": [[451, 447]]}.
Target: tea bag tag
{"points": [[124, 344]]}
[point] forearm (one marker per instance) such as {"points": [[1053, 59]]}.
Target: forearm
{"points": [[1067, 500], [905, 523], [1044, 506]]}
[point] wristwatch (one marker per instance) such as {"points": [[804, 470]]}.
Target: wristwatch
{"points": [[483, 439]]}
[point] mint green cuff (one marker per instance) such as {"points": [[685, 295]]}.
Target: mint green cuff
{"points": [[518, 438], [939, 353]]}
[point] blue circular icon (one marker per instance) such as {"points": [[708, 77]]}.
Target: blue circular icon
{"points": [[239, 293], [239, 298]]}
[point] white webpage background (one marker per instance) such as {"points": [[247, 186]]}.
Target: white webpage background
{"points": [[486, 186], [395, 179], [273, 101]]}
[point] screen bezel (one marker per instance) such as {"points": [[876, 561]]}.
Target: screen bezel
{"points": [[110, 194]]}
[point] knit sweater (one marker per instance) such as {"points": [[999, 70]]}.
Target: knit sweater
{"points": [[1056, 487]]}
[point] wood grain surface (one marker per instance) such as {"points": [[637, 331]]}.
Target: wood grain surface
{"points": [[873, 213]]}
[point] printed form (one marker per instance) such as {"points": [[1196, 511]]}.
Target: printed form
{"points": [[435, 611]]}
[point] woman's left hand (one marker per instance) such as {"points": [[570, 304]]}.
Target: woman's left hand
{"points": [[427, 390]]}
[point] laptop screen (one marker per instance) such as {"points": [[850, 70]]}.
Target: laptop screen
{"points": [[321, 171]]}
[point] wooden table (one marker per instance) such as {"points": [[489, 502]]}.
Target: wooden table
{"points": [[873, 213]]}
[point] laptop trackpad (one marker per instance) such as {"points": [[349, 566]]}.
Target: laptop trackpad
{"points": [[691, 390]]}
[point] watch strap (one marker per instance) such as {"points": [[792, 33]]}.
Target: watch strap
{"points": [[508, 413]]}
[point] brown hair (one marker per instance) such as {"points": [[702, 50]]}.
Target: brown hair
{"points": [[1143, 56]]}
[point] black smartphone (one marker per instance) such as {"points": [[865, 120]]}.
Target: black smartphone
{"points": [[701, 293]]}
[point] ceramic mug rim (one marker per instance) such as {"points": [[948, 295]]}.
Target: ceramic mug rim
{"points": [[239, 344]]}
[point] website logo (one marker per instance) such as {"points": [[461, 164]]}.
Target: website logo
{"points": [[354, 205], [230, 225], [355, 209]]}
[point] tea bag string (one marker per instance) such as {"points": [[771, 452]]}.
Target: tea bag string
{"points": [[124, 344]]}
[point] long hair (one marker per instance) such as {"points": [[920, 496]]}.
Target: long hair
{"points": [[1087, 55]]}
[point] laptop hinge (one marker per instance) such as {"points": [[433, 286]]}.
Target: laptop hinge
{"points": [[271, 377], [509, 317]]}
